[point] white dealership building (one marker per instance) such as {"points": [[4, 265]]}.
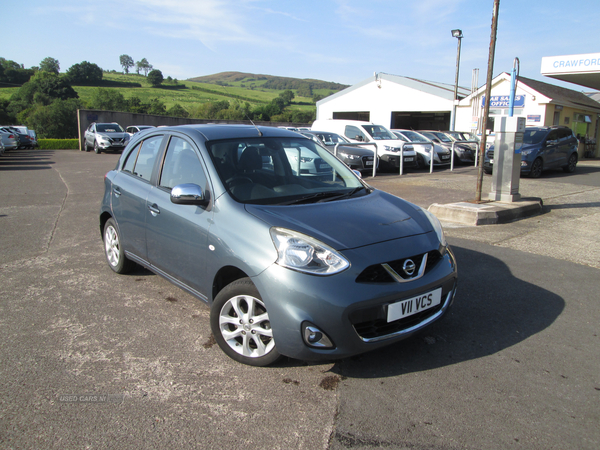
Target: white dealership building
{"points": [[404, 102]]}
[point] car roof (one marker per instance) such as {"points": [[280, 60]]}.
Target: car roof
{"points": [[213, 132]]}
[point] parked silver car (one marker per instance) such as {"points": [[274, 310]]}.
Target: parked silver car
{"points": [[425, 148], [105, 136], [291, 264], [462, 152], [132, 129], [10, 139]]}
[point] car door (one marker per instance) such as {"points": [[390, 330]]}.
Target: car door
{"points": [[551, 151], [177, 235], [130, 189], [564, 146]]}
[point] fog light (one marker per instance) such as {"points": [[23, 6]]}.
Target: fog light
{"points": [[314, 337]]}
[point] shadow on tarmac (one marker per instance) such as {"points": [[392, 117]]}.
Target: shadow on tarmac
{"points": [[26, 160], [493, 310]]}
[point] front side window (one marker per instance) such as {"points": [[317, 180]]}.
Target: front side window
{"points": [[181, 165], [355, 133]]}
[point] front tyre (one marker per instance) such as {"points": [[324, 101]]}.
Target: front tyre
{"points": [[97, 148], [113, 249], [536, 169], [240, 324]]}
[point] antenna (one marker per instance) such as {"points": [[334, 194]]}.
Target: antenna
{"points": [[259, 132]]}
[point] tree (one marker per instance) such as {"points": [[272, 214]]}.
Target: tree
{"points": [[108, 99], [287, 97], [144, 66], [157, 107], [50, 65], [84, 73], [177, 111], [126, 61], [57, 120], [155, 77]]}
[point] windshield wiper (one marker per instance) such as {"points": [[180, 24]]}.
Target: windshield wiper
{"points": [[323, 197]]}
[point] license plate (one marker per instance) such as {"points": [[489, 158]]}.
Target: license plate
{"points": [[491, 161], [324, 166], [369, 163], [409, 159], [414, 305]]}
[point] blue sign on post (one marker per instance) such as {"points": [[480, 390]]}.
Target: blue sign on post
{"points": [[502, 101]]}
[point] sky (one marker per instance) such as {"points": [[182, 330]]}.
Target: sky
{"points": [[344, 41]]}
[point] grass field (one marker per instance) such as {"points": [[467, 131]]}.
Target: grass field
{"points": [[184, 93]]}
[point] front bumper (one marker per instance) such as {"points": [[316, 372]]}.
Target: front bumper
{"points": [[350, 311], [394, 160]]}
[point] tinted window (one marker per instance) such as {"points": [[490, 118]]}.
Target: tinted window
{"points": [[181, 165], [354, 133], [552, 136], [146, 157], [130, 163]]}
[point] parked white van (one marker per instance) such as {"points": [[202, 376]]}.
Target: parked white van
{"points": [[388, 144]]}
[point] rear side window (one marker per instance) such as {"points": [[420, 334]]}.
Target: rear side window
{"points": [[140, 161]]}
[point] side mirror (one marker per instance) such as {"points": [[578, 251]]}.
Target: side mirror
{"points": [[188, 194]]}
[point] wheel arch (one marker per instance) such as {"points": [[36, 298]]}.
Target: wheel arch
{"points": [[225, 276], [103, 219]]}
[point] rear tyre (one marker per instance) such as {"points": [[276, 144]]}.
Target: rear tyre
{"points": [[240, 324], [115, 256], [571, 164]]}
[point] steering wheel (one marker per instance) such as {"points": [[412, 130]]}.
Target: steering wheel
{"points": [[237, 180]]}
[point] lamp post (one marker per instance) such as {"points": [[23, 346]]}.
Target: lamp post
{"points": [[457, 34]]}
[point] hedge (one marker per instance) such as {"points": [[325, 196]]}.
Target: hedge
{"points": [[58, 144]]}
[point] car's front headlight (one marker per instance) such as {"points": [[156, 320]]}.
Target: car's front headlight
{"points": [[348, 156], [303, 253], [437, 227]]}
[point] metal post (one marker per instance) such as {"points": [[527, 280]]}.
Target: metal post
{"points": [[488, 91], [457, 34], [452, 157], [431, 158], [402, 160]]}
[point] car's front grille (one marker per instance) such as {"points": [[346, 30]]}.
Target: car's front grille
{"points": [[378, 327], [378, 274]]}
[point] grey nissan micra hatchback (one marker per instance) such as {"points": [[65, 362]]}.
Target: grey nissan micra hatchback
{"points": [[292, 251]]}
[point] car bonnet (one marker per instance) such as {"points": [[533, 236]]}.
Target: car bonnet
{"points": [[350, 223]]}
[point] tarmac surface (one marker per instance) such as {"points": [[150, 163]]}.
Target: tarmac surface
{"points": [[90, 359]]}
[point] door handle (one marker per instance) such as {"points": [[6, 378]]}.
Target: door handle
{"points": [[117, 191], [154, 209]]}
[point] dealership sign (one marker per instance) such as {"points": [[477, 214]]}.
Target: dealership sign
{"points": [[589, 62], [502, 101]]}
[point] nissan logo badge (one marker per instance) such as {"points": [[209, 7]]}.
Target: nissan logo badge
{"points": [[409, 267]]}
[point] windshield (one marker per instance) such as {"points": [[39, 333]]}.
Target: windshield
{"points": [[379, 133], [415, 137], [441, 136], [278, 171], [109, 128], [533, 136]]}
